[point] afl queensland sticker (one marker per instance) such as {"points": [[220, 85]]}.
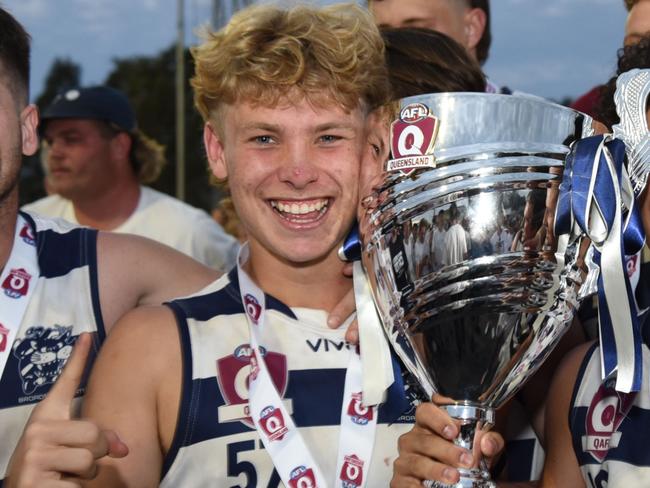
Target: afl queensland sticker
{"points": [[412, 138], [607, 411]]}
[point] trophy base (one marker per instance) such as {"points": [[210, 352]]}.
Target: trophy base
{"points": [[469, 478], [475, 420]]}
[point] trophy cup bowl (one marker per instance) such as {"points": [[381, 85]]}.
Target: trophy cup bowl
{"points": [[473, 287]]}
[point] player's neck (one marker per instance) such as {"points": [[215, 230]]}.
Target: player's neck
{"points": [[8, 213], [110, 209], [320, 285]]}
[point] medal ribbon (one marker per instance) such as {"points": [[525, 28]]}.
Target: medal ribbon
{"points": [[594, 193], [376, 361], [17, 282], [282, 440]]}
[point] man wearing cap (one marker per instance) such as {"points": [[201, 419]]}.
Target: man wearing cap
{"points": [[98, 161], [59, 282]]}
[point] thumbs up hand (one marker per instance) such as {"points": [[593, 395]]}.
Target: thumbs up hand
{"points": [[55, 450]]}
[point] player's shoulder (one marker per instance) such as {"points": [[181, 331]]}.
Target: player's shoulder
{"points": [[43, 223], [574, 359], [131, 248], [143, 331], [567, 376], [52, 205], [220, 297]]}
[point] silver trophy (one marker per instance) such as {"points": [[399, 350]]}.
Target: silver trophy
{"points": [[473, 287]]}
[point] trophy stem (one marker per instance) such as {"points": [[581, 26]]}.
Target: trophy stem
{"points": [[475, 421]]}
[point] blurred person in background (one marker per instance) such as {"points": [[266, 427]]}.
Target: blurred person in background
{"points": [[423, 61], [636, 55], [226, 215], [466, 21], [637, 26], [98, 162]]}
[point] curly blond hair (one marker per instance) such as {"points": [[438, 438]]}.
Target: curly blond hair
{"points": [[267, 54], [147, 156]]}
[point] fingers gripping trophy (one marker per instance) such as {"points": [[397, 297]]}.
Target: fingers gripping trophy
{"points": [[473, 280]]}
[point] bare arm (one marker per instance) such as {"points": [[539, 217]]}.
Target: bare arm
{"points": [[136, 271], [536, 391], [135, 388], [561, 467]]}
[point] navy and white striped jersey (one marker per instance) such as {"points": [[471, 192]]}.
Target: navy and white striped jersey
{"points": [[215, 442], [610, 429], [64, 303]]}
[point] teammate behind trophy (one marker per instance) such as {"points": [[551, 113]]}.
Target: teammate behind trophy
{"points": [[593, 425]]}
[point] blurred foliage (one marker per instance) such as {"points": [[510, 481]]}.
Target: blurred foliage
{"points": [[63, 75], [149, 83]]}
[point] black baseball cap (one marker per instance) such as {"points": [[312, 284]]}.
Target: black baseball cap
{"points": [[95, 102]]}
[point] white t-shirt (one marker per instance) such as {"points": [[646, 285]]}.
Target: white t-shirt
{"points": [[164, 219], [455, 245], [501, 241], [439, 246]]}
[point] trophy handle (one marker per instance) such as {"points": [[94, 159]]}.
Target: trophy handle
{"points": [[475, 419]]}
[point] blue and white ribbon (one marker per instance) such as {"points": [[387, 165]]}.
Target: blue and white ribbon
{"points": [[596, 195], [350, 250]]}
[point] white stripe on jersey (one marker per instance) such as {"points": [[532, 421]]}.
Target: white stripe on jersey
{"points": [[306, 359], [610, 429], [60, 309]]}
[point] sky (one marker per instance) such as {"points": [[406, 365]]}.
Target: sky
{"points": [[551, 48]]}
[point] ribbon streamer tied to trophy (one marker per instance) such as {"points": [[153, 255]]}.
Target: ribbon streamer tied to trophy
{"points": [[495, 215]]}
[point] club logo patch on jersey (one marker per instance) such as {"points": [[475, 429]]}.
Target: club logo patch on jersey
{"points": [[27, 235], [351, 472], [41, 354], [233, 378], [302, 477], [412, 138], [272, 423], [16, 284], [631, 263], [358, 412], [253, 308], [607, 411], [4, 337]]}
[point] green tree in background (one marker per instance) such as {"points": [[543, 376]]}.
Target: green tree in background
{"points": [[63, 74], [149, 82]]}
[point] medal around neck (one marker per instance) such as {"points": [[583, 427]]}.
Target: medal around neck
{"points": [[473, 286]]}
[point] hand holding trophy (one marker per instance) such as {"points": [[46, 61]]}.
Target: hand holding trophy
{"points": [[472, 281]]}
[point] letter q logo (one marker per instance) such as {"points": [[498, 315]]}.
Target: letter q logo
{"points": [[16, 284], [253, 308], [272, 423], [358, 412], [302, 477], [352, 471]]}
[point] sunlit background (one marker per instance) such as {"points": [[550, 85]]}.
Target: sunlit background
{"points": [[552, 48], [557, 49]]}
